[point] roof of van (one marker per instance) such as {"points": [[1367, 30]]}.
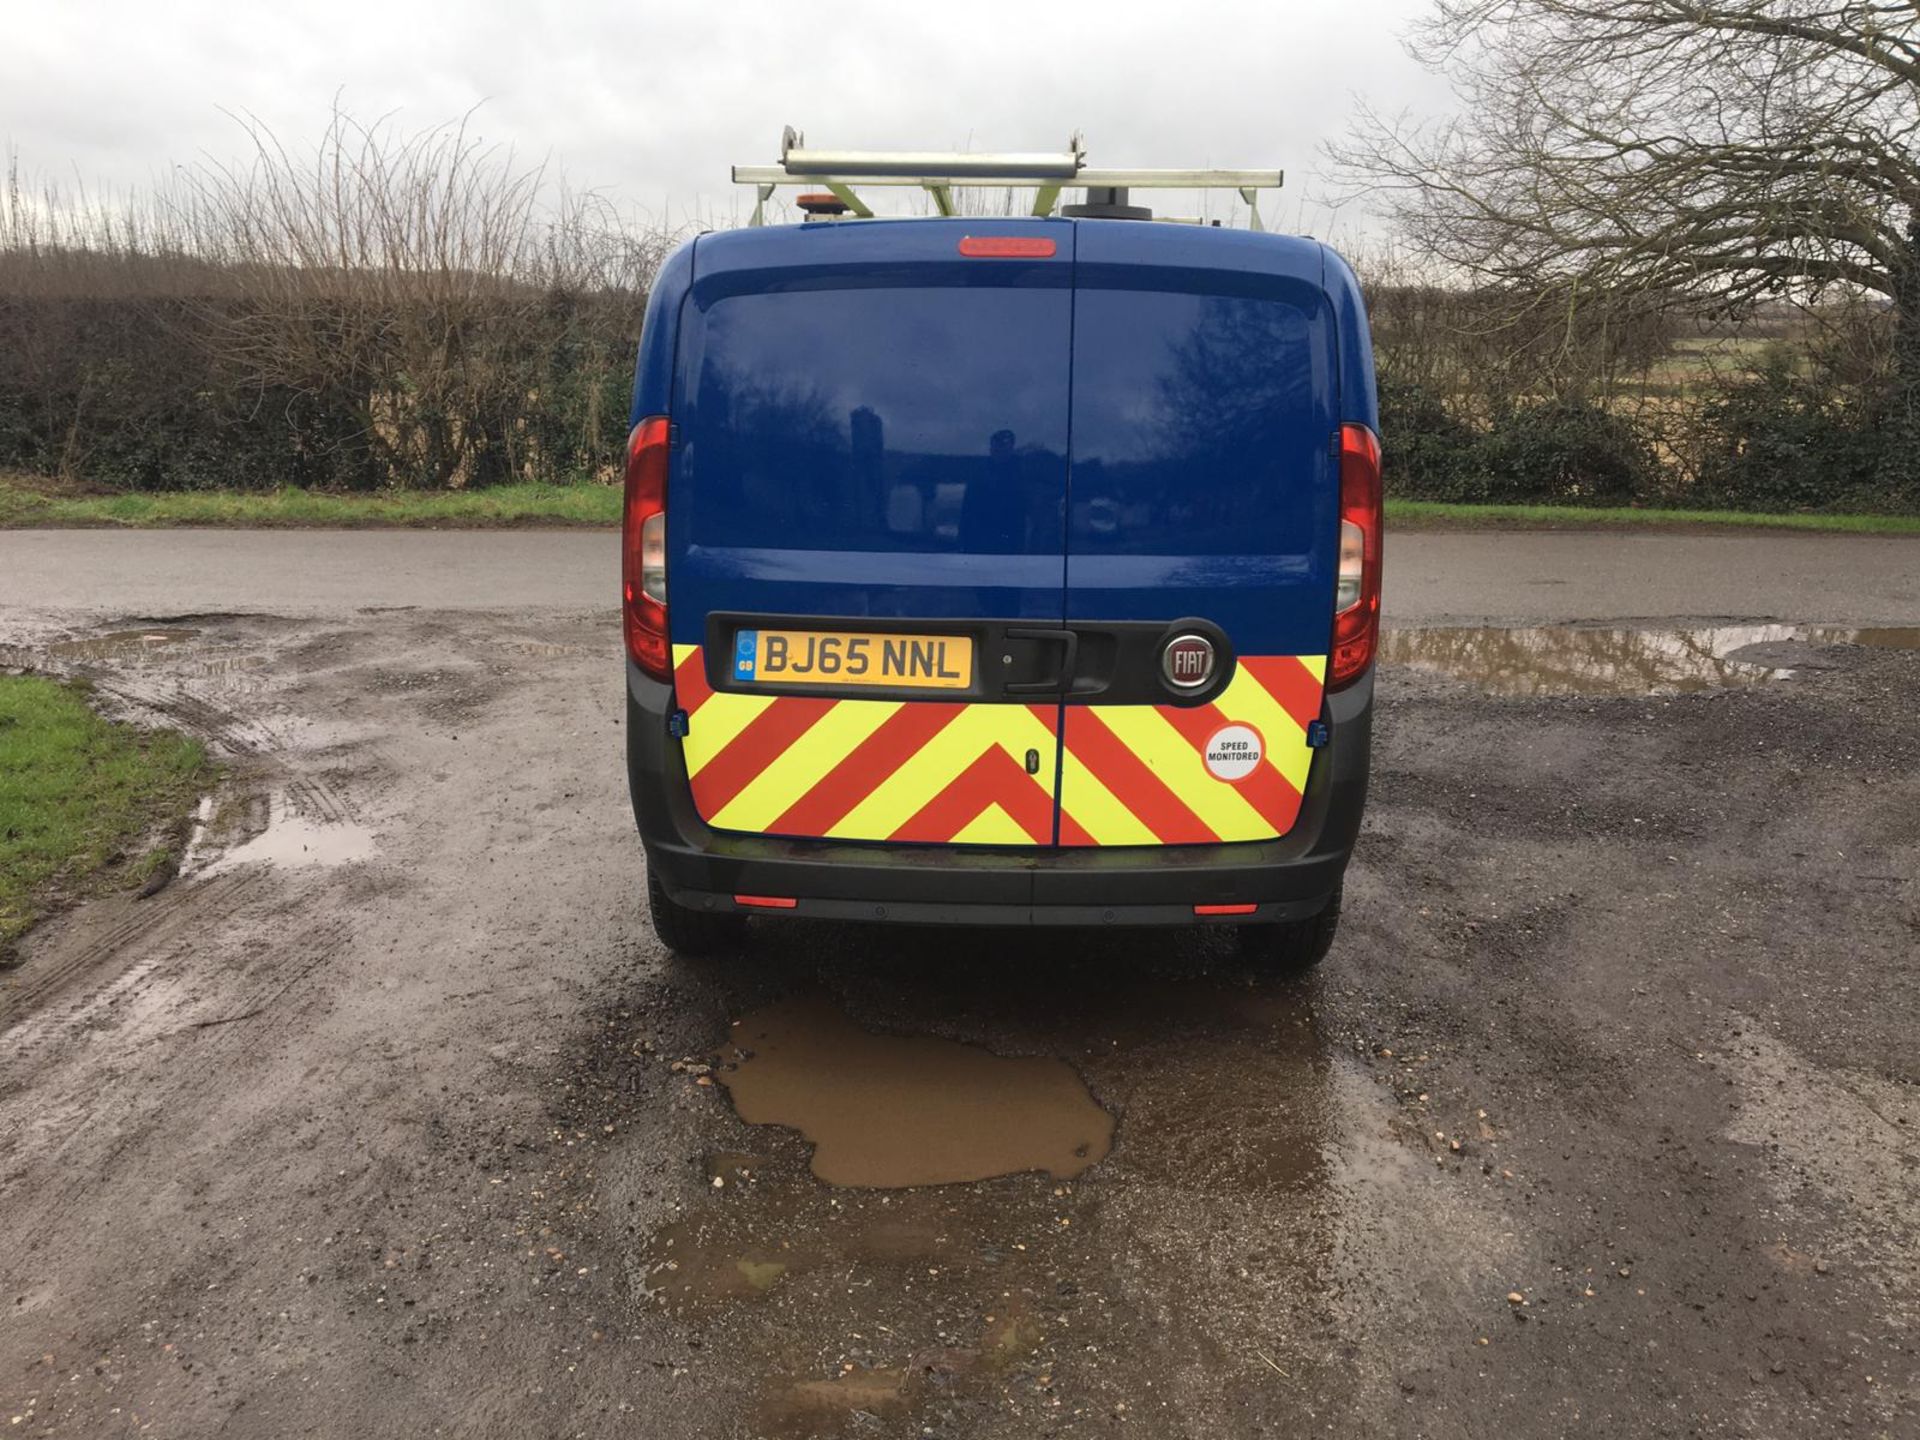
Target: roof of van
{"points": [[1205, 246]]}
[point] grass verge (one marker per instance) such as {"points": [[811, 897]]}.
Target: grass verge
{"points": [[1437, 515], [79, 797], [21, 506]]}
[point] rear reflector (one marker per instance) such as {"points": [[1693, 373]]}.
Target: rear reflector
{"points": [[1225, 909], [767, 902], [1006, 247]]}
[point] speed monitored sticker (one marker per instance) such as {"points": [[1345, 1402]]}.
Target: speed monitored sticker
{"points": [[1233, 752]]}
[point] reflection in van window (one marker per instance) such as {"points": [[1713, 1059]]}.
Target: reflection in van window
{"points": [[879, 419], [1190, 425]]}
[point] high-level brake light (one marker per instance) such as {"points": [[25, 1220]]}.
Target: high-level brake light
{"points": [[644, 548], [1006, 247], [1356, 620]]}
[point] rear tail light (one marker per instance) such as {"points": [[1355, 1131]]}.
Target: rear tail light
{"points": [[1356, 618], [644, 548]]}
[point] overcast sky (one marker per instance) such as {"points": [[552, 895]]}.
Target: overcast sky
{"points": [[651, 102]]}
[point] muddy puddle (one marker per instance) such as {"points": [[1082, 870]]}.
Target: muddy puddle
{"points": [[293, 841], [120, 644], [180, 653], [885, 1301], [770, 1233], [1599, 660], [891, 1111], [541, 649]]}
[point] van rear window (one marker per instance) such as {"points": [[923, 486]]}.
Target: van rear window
{"points": [[1200, 425], [916, 419]]}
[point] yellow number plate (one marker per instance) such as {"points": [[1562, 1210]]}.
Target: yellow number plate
{"points": [[833, 657]]}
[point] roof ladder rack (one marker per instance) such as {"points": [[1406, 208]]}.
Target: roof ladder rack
{"points": [[940, 173]]}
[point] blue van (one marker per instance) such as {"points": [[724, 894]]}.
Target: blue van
{"points": [[1010, 571]]}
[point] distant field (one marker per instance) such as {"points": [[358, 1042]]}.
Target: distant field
{"points": [[1700, 365]]}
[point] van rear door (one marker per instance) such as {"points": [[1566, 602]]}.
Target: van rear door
{"points": [[1203, 502], [866, 544]]}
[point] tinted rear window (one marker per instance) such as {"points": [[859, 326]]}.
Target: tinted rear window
{"points": [[1200, 425], [916, 419]]}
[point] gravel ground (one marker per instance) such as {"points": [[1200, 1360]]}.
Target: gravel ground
{"points": [[390, 1117]]}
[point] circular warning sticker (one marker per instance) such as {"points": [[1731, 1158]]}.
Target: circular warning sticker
{"points": [[1233, 752]]}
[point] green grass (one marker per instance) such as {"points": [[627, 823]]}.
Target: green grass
{"points": [[585, 504], [1438, 515], [79, 796], [588, 504]]}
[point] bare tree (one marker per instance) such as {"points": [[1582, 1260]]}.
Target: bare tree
{"points": [[1720, 151]]}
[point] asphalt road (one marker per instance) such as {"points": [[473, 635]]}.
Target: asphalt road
{"points": [[390, 1117], [1533, 575]]}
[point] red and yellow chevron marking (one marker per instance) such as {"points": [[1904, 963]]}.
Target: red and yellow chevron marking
{"points": [[865, 769], [1134, 774], [941, 773]]}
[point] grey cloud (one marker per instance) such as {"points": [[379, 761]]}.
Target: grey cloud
{"points": [[651, 102]]}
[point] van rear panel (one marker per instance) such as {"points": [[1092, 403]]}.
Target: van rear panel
{"points": [[1047, 460]]}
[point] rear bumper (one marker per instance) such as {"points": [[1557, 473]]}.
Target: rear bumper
{"points": [[1289, 878]]}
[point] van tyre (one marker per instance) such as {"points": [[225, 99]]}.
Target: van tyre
{"points": [[688, 932], [1292, 947]]}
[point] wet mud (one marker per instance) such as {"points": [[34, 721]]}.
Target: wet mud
{"points": [[118, 644], [1599, 1119]]}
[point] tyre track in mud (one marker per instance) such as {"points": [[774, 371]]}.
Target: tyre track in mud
{"points": [[129, 972], [36, 1005], [70, 981]]}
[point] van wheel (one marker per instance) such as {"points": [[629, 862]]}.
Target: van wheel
{"points": [[1292, 947], [692, 933]]}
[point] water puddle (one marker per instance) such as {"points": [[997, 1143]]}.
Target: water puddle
{"points": [[293, 841], [121, 643], [865, 1398], [1599, 660], [773, 1233], [1875, 637], [215, 666], [541, 649], [686, 1266], [887, 1302], [182, 653], [889, 1111], [862, 1396]]}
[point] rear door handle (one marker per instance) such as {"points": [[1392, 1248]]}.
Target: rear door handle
{"points": [[1069, 643]]}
